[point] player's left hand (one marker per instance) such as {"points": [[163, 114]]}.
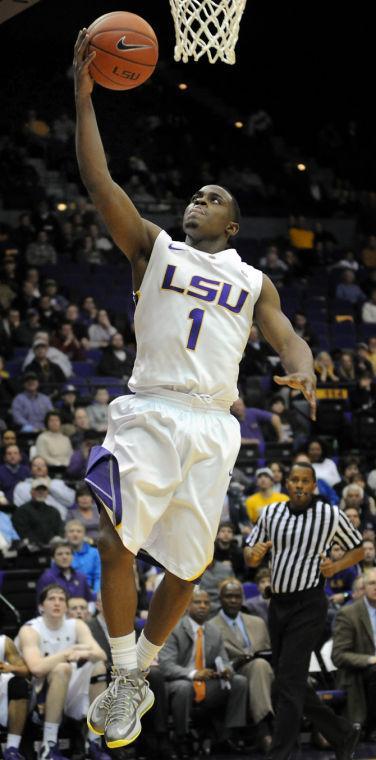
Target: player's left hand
{"points": [[304, 382], [327, 566]]}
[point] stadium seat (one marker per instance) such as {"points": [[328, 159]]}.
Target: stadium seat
{"points": [[280, 452], [250, 589]]}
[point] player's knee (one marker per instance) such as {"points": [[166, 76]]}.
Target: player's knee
{"points": [[185, 587], [110, 546], [18, 688]]}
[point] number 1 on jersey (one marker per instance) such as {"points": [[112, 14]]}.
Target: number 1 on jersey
{"points": [[196, 315]]}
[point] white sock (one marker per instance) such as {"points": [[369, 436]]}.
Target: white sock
{"points": [[146, 652], [93, 737], [13, 740], [123, 650], [50, 732]]}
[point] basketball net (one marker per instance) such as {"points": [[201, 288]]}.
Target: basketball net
{"points": [[208, 27]]}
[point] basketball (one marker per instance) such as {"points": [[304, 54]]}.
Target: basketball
{"points": [[126, 50]]}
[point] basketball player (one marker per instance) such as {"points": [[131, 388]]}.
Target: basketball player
{"points": [[166, 461]]}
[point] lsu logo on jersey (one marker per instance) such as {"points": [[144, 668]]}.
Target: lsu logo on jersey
{"points": [[206, 290]]}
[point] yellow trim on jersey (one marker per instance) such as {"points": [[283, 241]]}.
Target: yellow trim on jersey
{"points": [[194, 577]]}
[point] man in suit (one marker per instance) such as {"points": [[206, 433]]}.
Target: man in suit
{"points": [[354, 652], [188, 662], [244, 635]]}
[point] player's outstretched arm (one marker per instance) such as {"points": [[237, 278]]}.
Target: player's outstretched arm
{"points": [[294, 352], [134, 235]]}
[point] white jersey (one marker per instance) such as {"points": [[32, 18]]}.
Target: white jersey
{"points": [[193, 319], [54, 640]]}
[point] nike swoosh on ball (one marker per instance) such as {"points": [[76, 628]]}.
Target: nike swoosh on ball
{"points": [[122, 45]]}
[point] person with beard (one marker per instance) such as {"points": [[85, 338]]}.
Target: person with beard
{"points": [[300, 533]]}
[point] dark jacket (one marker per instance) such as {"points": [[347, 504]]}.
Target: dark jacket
{"points": [[38, 522]]}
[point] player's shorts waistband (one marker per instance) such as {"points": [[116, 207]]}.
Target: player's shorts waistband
{"points": [[202, 401]]}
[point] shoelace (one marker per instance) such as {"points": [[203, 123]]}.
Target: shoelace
{"points": [[121, 699]]}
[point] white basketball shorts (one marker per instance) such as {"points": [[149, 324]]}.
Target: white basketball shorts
{"points": [[162, 475]]}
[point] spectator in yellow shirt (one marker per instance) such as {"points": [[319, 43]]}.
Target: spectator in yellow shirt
{"points": [[265, 494]]}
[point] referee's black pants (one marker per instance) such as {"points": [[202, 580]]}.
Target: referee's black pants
{"points": [[297, 622]]}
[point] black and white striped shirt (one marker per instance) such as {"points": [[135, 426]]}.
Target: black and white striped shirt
{"points": [[299, 538]]}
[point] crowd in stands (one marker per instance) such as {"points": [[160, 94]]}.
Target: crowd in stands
{"points": [[67, 348]]}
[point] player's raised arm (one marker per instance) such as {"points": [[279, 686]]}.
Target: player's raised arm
{"points": [[294, 352], [134, 235]]}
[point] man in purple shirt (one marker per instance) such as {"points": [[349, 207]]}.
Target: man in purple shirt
{"points": [[12, 471], [62, 572], [250, 418], [30, 407]]}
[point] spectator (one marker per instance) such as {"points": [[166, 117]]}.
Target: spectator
{"points": [[259, 605], [53, 354], [279, 476], [49, 374], [15, 696], [255, 359], [66, 342], [86, 511], [59, 496], [249, 419], [353, 515], [81, 424], [348, 289], [26, 300], [358, 588], [361, 360], [244, 635], [85, 557], [58, 302], [187, 661], [52, 645], [67, 405], [338, 587], [346, 370], [354, 653], [325, 468], [264, 495], [354, 495], [88, 253], [89, 311], [350, 468], [98, 410], [79, 459], [369, 560], [52, 444], [6, 388], [369, 308], [273, 266], [116, 361], [293, 426], [302, 328], [41, 252], [62, 573], [101, 331], [78, 608], [12, 471], [35, 520], [227, 549], [72, 316], [30, 407], [324, 368], [363, 396]]}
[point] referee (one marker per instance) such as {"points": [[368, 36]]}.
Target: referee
{"points": [[299, 532]]}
